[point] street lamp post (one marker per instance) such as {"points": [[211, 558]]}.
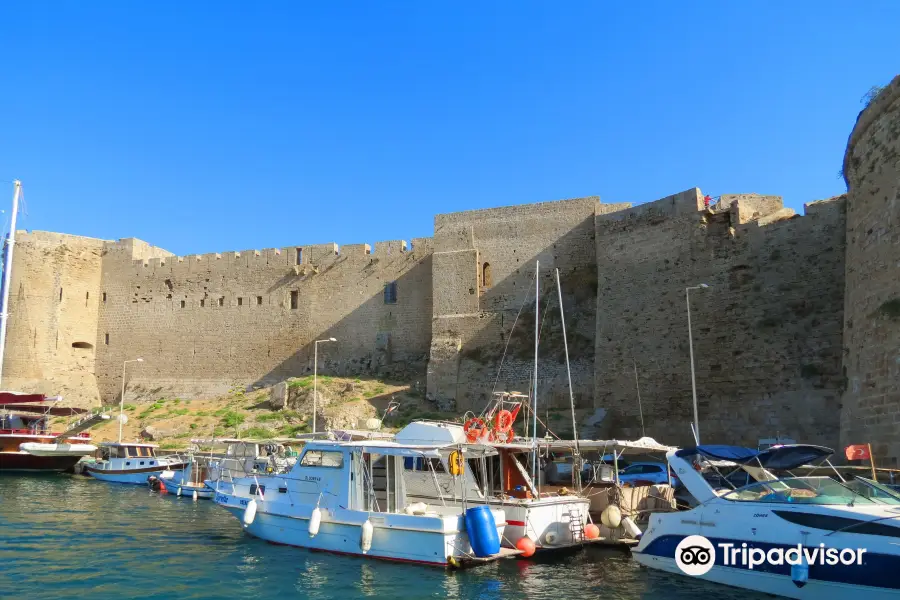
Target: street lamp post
{"points": [[316, 376], [122, 399], [687, 295]]}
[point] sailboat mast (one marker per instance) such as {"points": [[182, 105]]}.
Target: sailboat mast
{"points": [[537, 314], [562, 318], [7, 271]]}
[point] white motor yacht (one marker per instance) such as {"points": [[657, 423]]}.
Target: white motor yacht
{"points": [[811, 537], [332, 499]]}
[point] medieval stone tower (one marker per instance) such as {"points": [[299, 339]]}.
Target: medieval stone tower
{"points": [[871, 401]]}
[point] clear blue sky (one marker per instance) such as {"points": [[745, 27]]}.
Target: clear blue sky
{"points": [[236, 125]]}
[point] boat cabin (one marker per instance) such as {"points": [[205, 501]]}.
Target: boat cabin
{"points": [[126, 455]]}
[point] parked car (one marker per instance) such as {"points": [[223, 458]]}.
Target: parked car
{"points": [[643, 473]]}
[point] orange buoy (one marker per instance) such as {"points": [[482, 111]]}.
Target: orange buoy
{"points": [[526, 545], [591, 531], [162, 488]]}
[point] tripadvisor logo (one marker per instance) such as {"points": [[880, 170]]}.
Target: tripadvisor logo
{"points": [[696, 555]]}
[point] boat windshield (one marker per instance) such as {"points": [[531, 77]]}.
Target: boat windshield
{"points": [[876, 492], [798, 490]]}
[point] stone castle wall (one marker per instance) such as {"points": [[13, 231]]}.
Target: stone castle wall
{"points": [[205, 323], [872, 296], [767, 334]]}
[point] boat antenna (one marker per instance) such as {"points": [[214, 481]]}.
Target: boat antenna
{"points": [[576, 467], [637, 385], [7, 270], [534, 387]]}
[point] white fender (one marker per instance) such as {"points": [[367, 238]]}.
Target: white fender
{"points": [[195, 494], [179, 491], [250, 513], [611, 516], [632, 529], [365, 537], [315, 521]]}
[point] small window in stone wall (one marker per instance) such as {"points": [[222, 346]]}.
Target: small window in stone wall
{"points": [[106, 339], [299, 256], [60, 294], [183, 303], [202, 303], [390, 293], [487, 278], [104, 297], [240, 301], [222, 301], [259, 300], [295, 299], [87, 296]]}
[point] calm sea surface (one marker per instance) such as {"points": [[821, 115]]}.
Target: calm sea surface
{"points": [[71, 537]]}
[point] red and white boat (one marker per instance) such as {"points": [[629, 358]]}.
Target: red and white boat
{"points": [[26, 443]]}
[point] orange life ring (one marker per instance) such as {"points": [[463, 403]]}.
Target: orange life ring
{"points": [[503, 422], [473, 432]]}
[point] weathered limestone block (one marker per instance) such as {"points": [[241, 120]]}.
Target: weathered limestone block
{"points": [[151, 433]]}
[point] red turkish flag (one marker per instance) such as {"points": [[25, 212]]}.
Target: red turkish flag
{"points": [[857, 452]]}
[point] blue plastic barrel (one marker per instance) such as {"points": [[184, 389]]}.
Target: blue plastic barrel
{"points": [[482, 530]]}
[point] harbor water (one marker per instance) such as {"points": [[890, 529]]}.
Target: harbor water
{"points": [[66, 536]]}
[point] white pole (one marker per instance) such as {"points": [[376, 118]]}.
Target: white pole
{"points": [[562, 318], [315, 380], [122, 398], [687, 296], [576, 466], [637, 385], [537, 313], [7, 270], [122, 401]]}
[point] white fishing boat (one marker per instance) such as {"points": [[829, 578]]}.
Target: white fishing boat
{"points": [[131, 462], [551, 517], [239, 457], [845, 538], [333, 500], [187, 483]]}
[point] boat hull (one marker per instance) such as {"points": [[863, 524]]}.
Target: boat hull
{"points": [[772, 583], [341, 534], [133, 477], [24, 462]]}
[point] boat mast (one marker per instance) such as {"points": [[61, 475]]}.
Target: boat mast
{"points": [[7, 270], [537, 314], [576, 467]]}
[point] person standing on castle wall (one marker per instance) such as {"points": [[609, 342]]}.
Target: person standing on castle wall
{"points": [[706, 200]]}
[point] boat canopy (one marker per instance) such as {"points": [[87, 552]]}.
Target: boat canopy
{"points": [[621, 447], [780, 457], [22, 398], [389, 448], [127, 445]]}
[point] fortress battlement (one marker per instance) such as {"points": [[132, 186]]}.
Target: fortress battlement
{"points": [[318, 255]]}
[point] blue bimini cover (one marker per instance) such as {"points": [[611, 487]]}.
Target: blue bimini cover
{"points": [[781, 457]]}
